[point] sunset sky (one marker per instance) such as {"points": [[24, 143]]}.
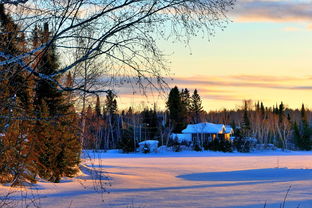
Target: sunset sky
{"points": [[264, 54]]}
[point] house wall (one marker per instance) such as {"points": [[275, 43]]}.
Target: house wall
{"points": [[201, 138]]}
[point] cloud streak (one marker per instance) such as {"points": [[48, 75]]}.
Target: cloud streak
{"points": [[272, 11], [232, 88], [218, 91], [250, 81]]}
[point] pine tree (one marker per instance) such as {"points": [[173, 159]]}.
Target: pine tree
{"points": [[111, 103], [17, 155], [196, 107], [262, 110], [98, 107], [113, 128], [245, 126], [288, 117], [303, 132], [186, 105], [151, 122], [281, 112], [60, 144], [174, 105]]}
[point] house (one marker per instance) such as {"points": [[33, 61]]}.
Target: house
{"points": [[203, 132]]}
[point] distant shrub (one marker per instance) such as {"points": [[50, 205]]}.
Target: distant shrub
{"points": [[127, 142], [175, 145], [221, 145], [197, 148], [146, 148], [242, 144]]}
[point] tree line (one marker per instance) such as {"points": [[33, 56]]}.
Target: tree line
{"points": [[284, 127]]}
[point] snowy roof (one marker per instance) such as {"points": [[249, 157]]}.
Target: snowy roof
{"points": [[228, 129], [208, 128], [150, 142]]}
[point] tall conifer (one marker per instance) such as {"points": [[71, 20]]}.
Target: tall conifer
{"points": [[60, 144], [196, 107]]}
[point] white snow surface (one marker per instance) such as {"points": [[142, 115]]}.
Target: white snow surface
{"points": [[183, 179]]}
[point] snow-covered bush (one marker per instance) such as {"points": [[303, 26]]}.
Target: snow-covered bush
{"points": [[183, 139], [127, 142], [245, 144], [148, 146], [265, 147], [175, 144]]}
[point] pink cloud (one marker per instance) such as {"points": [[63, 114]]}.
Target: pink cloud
{"points": [[272, 11]]}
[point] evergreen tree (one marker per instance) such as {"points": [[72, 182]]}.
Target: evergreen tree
{"points": [[113, 132], [186, 105], [257, 106], [262, 110], [150, 122], [174, 105], [288, 117], [196, 107], [60, 145], [303, 132], [17, 155], [111, 103], [98, 107], [127, 142], [281, 112], [129, 112], [245, 126]]}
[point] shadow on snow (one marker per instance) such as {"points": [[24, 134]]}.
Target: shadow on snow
{"points": [[264, 175]]}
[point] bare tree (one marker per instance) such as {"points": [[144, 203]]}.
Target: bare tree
{"points": [[86, 74], [125, 33]]}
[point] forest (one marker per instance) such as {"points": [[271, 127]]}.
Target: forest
{"points": [[283, 127]]}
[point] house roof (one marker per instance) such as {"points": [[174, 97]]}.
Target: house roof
{"points": [[207, 128]]}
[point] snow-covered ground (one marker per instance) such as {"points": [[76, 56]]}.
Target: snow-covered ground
{"points": [[185, 179]]}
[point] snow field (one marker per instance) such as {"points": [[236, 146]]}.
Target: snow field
{"points": [[185, 179]]}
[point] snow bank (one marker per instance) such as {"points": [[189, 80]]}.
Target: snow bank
{"points": [[148, 146]]}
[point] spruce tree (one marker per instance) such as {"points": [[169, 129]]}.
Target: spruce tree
{"points": [[98, 107], [245, 125], [60, 144], [305, 130], [186, 105], [174, 105], [112, 131], [262, 110], [111, 103], [151, 122], [302, 133], [17, 155], [281, 112], [196, 107]]}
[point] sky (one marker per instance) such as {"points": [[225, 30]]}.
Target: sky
{"points": [[264, 54]]}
